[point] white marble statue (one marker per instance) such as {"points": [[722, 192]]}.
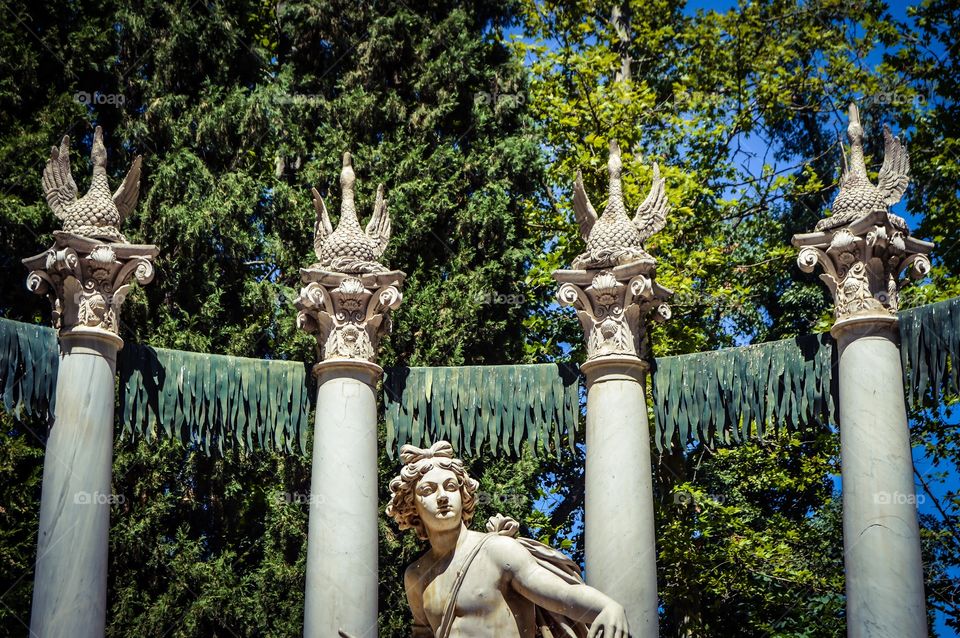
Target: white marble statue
{"points": [[471, 584]]}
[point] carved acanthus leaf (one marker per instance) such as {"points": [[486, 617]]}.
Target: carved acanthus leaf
{"points": [[347, 314], [864, 263], [612, 306], [87, 281]]}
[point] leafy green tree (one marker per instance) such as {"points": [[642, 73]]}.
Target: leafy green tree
{"points": [[741, 108]]}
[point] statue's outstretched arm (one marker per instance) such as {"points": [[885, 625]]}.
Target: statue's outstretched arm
{"points": [[544, 588]]}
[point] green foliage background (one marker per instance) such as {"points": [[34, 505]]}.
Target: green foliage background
{"points": [[475, 115]]}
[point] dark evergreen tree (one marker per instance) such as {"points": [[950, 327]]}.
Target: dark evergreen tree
{"points": [[239, 108]]}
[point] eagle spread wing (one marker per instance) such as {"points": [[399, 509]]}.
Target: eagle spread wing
{"points": [[379, 227], [126, 196], [844, 168], [651, 216], [895, 172], [322, 227], [582, 208], [58, 184]]}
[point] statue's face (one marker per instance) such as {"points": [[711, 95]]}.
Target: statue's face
{"points": [[438, 499]]}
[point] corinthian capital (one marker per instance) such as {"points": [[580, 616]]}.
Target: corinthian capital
{"points": [[864, 264], [347, 314], [87, 280], [612, 305]]}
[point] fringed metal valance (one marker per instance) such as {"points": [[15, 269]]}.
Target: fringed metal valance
{"points": [[213, 401], [732, 395], [502, 406], [29, 359], [720, 397], [930, 351]]}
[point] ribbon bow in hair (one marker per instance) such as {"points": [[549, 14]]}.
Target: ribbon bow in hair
{"points": [[412, 454]]}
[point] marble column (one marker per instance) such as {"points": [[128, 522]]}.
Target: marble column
{"points": [[620, 544], [86, 280], [347, 314], [863, 263], [613, 289], [345, 304]]}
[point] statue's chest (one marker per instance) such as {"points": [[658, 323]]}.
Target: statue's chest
{"points": [[479, 592]]}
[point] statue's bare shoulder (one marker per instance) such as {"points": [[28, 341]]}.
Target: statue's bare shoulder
{"points": [[507, 553], [472, 583], [416, 566]]}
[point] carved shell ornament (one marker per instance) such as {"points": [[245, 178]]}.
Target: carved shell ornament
{"points": [[613, 238]]}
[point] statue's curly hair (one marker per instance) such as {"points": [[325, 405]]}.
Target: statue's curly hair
{"points": [[417, 462]]}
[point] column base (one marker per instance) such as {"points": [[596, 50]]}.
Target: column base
{"points": [[856, 326], [359, 369], [615, 367]]}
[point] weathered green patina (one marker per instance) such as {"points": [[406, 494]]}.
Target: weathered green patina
{"points": [[29, 360], [729, 396], [722, 397], [213, 401], [929, 351], [500, 406]]}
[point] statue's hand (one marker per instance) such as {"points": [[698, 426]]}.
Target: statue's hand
{"points": [[611, 622]]}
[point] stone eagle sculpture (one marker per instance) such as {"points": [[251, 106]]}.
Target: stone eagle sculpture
{"points": [[858, 197], [98, 214], [613, 239], [349, 249]]}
